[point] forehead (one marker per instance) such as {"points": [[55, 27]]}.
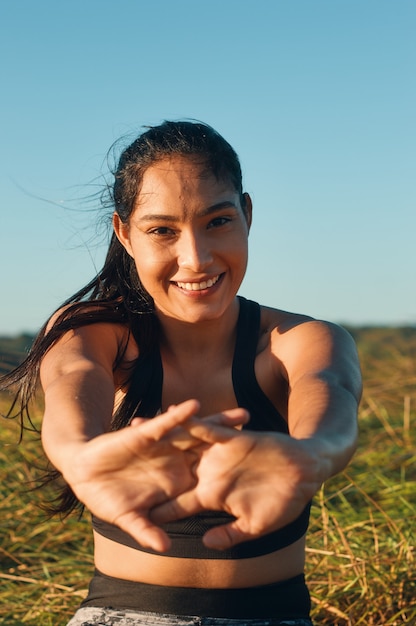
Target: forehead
{"points": [[180, 179]]}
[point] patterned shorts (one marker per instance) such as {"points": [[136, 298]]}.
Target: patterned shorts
{"points": [[91, 616]]}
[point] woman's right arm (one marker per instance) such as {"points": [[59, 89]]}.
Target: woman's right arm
{"points": [[77, 379], [119, 475]]}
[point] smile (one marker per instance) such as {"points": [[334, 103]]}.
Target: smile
{"points": [[205, 284]]}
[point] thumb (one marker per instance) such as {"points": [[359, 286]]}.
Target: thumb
{"points": [[184, 505], [225, 536], [146, 533]]}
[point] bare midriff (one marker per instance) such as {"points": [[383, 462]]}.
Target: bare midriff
{"points": [[114, 559]]}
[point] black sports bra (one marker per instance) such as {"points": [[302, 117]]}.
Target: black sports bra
{"points": [[186, 534]]}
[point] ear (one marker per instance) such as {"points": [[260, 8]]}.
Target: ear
{"points": [[248, 209], [122, 232]]}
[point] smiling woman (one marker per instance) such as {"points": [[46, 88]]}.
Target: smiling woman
{"points": [[194, 424], [193, 256]]}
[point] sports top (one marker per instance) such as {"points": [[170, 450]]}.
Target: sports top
{"points": [[186, 534]]}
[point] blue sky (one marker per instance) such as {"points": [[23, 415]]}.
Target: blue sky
{"points": [[318, 97]]}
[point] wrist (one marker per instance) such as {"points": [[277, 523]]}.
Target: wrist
{"points": [[330, 456], [65, 457]]}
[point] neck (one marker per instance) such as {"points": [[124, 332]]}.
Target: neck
{"points": [[187, 340]]}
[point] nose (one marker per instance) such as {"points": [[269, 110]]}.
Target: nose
{"points": [[194, 251]]}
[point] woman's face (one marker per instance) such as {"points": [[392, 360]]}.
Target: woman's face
{"points": [[188, 236]]}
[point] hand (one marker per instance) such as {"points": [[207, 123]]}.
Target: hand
{"points": [[263, 479], [121, 475]]}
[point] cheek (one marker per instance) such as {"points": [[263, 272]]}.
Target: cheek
{"points": [[151, 268], [243, 258], [238, 249]]}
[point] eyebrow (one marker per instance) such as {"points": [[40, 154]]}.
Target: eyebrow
{"points": [[219, 206]]}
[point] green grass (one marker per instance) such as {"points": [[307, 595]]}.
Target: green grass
{"points": [[361, 548]]}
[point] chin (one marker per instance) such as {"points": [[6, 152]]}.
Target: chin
{"points": [[195, 311]]}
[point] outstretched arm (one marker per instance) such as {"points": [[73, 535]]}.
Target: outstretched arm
{"points": [[266, 479], [321, 365], [119, 475]]}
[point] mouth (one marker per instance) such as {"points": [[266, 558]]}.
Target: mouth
{"points": [[198, 286]]}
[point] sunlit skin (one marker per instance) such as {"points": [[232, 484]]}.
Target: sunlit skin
{"points": [[188, 236]]}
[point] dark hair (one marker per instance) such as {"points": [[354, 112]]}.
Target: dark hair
{"points": [[116, 294], [171, 139]]}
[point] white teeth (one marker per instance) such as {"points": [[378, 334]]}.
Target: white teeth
{"points": [[198, 286]]}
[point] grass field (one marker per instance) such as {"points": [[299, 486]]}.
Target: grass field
{"points": [[361, 544]]}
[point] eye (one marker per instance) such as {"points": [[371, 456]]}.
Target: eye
{"points": [[219, 221], [162, 231]]}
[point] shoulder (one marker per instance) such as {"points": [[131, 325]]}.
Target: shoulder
{"points": [[284, 326], [300, 343], [76, 334]]}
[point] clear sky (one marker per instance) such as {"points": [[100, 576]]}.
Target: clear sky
{"points": [[318, 97]]}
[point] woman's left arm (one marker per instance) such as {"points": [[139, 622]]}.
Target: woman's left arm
{"points": [[265, 479], [323, 374]]}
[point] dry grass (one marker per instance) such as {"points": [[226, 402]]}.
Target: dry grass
{"points": [[44, 564], [361, 554]]}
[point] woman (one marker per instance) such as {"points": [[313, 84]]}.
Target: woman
{"points": [[200, 513]]}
